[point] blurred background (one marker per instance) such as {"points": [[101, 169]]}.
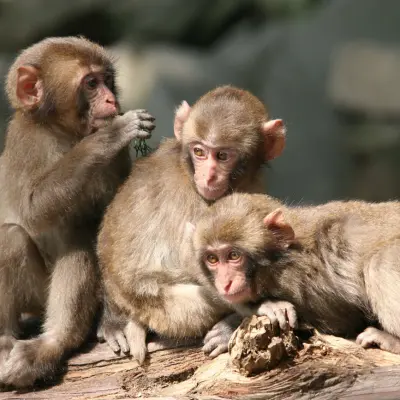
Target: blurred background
{"points": [[329, 68]]}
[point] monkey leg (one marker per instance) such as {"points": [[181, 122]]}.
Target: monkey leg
{"points": [[382, 279], [127, 335], [182, 312], [185, 310], [189, 312], [23, 279], [71, 306]]}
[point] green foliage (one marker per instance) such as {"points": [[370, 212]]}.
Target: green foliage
{"points": [[142, 148]]}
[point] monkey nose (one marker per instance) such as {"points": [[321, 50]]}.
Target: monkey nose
{"points": [[227, 287], [210, 178]]}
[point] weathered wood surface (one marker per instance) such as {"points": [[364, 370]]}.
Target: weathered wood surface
{"points": [[327, 368]]}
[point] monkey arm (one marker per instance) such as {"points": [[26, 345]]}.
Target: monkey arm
{"points": [[56, 194]]}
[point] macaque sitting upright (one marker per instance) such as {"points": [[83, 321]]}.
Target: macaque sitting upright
{"points": [[66, 153], [221, 144]]}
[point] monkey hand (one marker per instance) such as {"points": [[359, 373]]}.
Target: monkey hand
{"points": [[217, 339], [134, 124], [128, 337], [279, 312], [110, 140], [30, 360]]}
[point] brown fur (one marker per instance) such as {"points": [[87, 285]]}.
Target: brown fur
{"points": [[142, 247], [55, 184], [340, 272]]}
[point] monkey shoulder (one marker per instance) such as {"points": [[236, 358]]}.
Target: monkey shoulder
{"points": [[154, 178]]}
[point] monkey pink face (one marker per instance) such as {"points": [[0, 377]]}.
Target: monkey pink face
{"points": [[212, 169], [98, 89], [228, 267]]}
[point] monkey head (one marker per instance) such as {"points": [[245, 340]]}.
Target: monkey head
{"points": [[236, 244], [65, 81], [226, 137]]}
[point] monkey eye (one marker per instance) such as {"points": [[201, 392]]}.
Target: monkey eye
{"points": [[222, 155], [198, 152], [234, 255], [212, 259], [91, 82]]}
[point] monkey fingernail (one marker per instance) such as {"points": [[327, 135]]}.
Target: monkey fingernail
{"points": [[147, 117], [146, 125]]}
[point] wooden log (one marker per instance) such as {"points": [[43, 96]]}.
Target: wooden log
{"points": [[327, 367]]}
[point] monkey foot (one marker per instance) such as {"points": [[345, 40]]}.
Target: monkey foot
{"points": [[375, 337], [28, 361], [128, 339]]}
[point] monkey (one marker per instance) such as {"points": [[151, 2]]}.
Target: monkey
{"points": [[219, 147], [338, 263], [66, 153]]}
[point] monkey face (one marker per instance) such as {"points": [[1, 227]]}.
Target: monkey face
{"points": [[212, 169], [226, 137], [99, 102], [71, 84], [236, 243], [227, 267]]}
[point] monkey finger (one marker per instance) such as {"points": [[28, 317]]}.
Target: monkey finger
{"points": [[222, 348], [365, 343], [147, 125], [268, 312], [211, 334], [139, 353], [369, 337], [215, 342], [123, 343], [281, 317], [142, 134], [136, 336], [146, 117], [112, 343], [291, 316], [100, 334], [100, 337]]}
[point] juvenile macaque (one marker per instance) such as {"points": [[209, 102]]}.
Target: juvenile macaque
{"points": [[65, 155], [219, 147], [338, 263]]}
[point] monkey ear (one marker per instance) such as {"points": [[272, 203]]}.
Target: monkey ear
{"points": [[274, 132], [275, 222], [29, 87], [181, 116]]}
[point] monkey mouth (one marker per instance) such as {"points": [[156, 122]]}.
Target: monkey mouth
{"points": [[239, 296], [212, 193]]}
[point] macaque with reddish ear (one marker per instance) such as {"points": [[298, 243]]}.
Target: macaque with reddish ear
{"points": [[220, 145], [338, 264], [65, 155]]}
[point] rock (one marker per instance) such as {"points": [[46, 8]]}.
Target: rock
{"points": [[374, 90], [257, 345]]}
